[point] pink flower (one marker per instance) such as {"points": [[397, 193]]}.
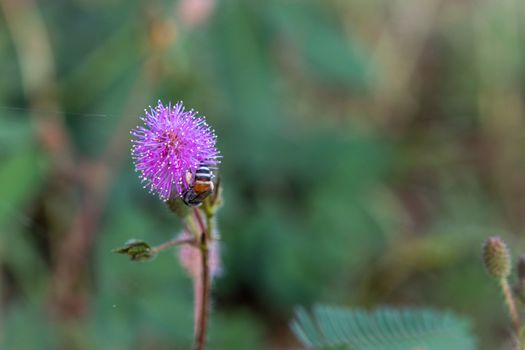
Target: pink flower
{"points": [[172, 143]]}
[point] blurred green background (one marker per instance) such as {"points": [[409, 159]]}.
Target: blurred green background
{"points": [[369, 149]]}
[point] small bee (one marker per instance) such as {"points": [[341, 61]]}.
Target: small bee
{"points": [[200, 186]]}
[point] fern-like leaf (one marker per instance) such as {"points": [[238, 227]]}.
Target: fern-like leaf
{"points": [[331, 327]]}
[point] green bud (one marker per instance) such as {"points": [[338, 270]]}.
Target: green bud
{"points": [[496, 257], [136, 250]]}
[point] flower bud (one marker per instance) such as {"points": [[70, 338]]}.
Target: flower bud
{"points": [[136, 250], [496, 257]]}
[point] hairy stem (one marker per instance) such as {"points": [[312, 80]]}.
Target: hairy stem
{"points": [[202, 226], [202, 304], [511, 305]]}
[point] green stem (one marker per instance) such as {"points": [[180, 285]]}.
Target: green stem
{"points": [[202, 305], [202, 227], [511, 305]]}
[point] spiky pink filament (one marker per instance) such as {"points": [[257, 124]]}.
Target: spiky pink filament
{"points": [[171, 143]]}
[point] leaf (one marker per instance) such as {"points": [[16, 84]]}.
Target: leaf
{"points": [[137, 250], [333, 327]]}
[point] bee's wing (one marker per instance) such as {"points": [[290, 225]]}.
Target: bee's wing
{"points": [[201, 196]]}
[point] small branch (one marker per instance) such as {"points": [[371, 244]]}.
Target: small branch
{"points": [[511, 305], [202, 305], [170, 244]]}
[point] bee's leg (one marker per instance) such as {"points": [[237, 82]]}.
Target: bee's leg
{"points": [[195, 199], [188, 197], [201, 196], [188, 177]]}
